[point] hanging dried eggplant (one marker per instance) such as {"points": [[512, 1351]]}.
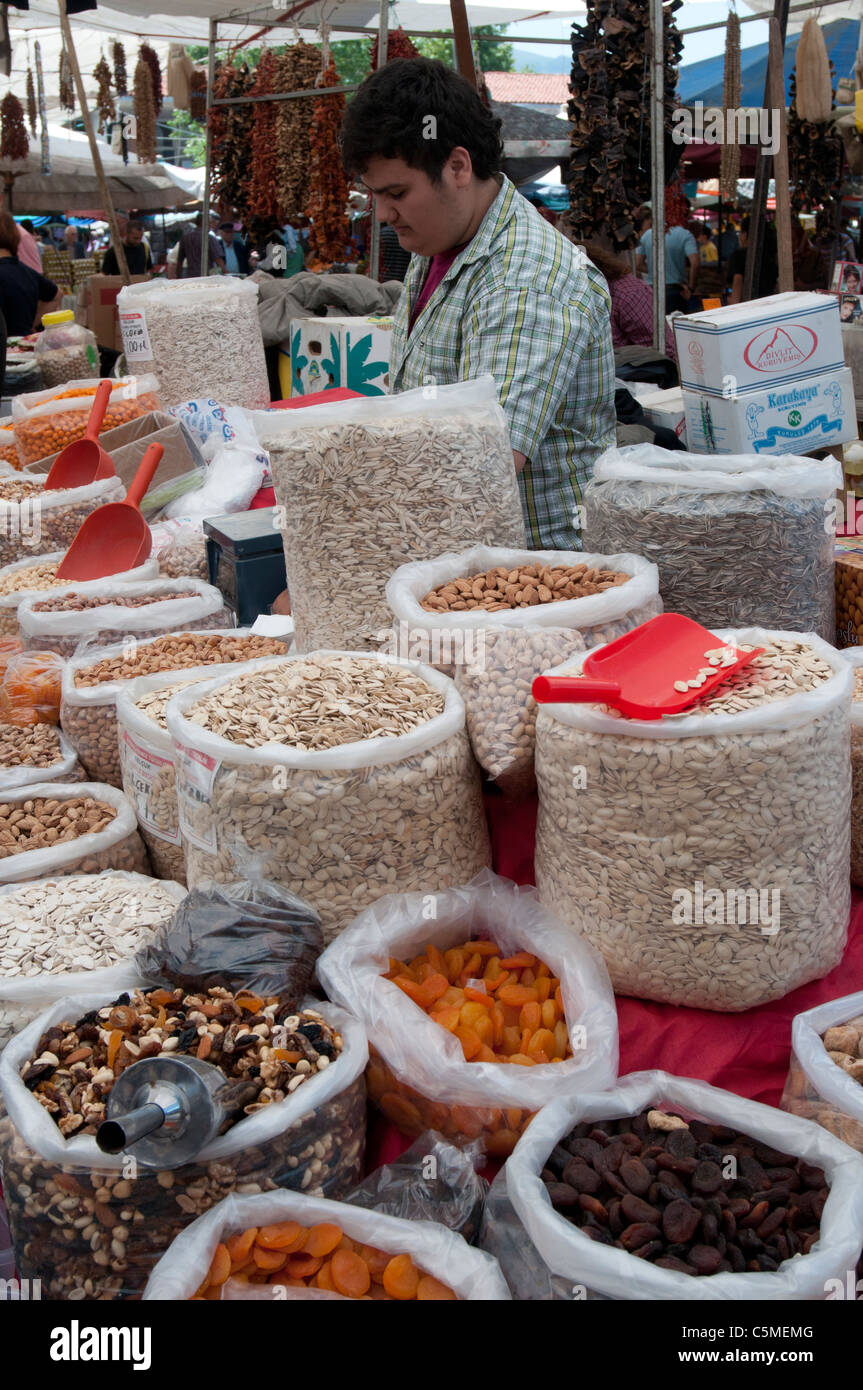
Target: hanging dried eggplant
{"points": [[198, 95], [32, 109], [814, 158], [151, 58], [145, 114], [67, 90], [13, 132], [263, 183], [104, 99], [328, 194], [299, 67], [729, 168], [121, 81]]}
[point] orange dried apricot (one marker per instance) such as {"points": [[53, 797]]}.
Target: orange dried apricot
{"points": [[431, 1290], [286, 1236], [239, 1246], [350, 1274], [268, 1259], [401, 1278], [323, 1238], [302, 1265]]}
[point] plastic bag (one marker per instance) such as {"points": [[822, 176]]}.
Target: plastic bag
{"points": [[180, 548], [9, 602], [118, 846], [738, 540], [200, 336], [344, 824], [643, 822], [24, 997], [233, 478], [431, 1181], [368, 485], [854, 656], [30, 690], [817, 1087], [613, 1273], [65, 350], [46, 421], [50, 521], [197, 605], [418, 1074], [8, 451], [470, 1273], [251, 936], [67, 769], [89, 713], [314, 1141], [215, 425]]}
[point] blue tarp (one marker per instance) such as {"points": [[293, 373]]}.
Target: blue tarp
{"points": [[703, 81]]}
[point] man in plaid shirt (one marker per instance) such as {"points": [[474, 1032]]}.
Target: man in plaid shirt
{"points": [[491, 288]]}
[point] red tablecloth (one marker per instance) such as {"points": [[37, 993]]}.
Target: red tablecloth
{"points": [[746, 1053]]}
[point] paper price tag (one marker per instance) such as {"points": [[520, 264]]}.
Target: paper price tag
{"points": [[141, 768], [196, 773], [136, 339]]}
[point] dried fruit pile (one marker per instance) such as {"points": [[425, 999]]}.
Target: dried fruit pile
{"points": [[522, 587], [667, 1192], [328, 187], [262, 193], [318, 1257], [13, 132], [39, 746], [300, 69], [258, 1043], [501, 1008], [43, 821], [231, 128]]}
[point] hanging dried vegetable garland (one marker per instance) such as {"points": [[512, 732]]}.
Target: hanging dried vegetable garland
{"points": [[729, 169], [814, 158], [151, 58], [231, 128], [609, 172], [398, 46], [328, 193], [299, 67], [32, 109], [145, 114], [263, 184], [104, 99], [67, 91], [13, 132], [198, 95], [121, 82]]}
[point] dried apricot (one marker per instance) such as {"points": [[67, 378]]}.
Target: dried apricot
{"points": [[401, 1278], [323, 1238], [470, 1043], [302, 1265], [522, 961], [448, 1017], [239, 1246], [284, 1235], [517, 995], [431, 1290], [268, 1259], [324, 1277], [220, 1266], [350, 1274]]}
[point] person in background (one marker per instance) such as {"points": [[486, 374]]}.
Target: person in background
{"points": [[709, 282], [768, 270], [72, 243], [137, 251], [25, 294], [631, 302], [726, 241], [682, 264], [28, 248], [809, 273], [189, 256], [234, 250]]}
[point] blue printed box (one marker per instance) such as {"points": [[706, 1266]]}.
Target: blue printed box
{"points": [[815, 413]]}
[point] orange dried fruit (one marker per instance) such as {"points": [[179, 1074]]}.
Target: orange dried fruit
{"points": [[323, 1238], [268, 1259], [431, 1290], [239, 1246], [284, 1235], [302, 1265], [350, 1274], [401, 1278]]}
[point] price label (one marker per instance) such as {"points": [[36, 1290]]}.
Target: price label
{"points": [[196, 773], [141, 767], [136, 339]]}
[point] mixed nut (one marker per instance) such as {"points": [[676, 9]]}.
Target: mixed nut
{"points": [[37, 745], [692, 1197], [42, 822], [258, 1043]]}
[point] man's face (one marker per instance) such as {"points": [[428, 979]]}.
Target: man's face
{"points": [[134, 236], [428, 218], [71, 236], [227, 235]]}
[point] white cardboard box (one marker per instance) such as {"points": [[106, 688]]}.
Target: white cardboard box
{"points": [[768, 342], [665, 410], [795, 419], [348, 352]]}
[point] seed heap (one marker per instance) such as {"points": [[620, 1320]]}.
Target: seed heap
{"points": [[760, 813], [37, 576], [17, 489], [155, 702], [268, 1051], [520, 587], [319, 704], [857, 784], [36, 746], [667, 1194], [77, 603]]}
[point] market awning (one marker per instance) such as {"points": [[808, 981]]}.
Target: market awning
{"points": [[72, 185]]}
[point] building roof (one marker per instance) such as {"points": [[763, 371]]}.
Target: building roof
{"points": [[529, 88]]}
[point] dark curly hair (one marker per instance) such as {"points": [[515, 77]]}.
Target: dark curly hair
{"points": [[388, 118]]}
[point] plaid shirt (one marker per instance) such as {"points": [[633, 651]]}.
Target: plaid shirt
{"points": [[632, 315], [522, 303]]}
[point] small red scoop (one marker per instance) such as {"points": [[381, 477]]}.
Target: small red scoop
{"points": [[640, 672], [84, 461], [115, 537]]}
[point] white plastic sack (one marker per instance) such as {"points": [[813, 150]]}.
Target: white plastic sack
{"points": [[738, 540], [118, 846], [470, 1273], [49, 521], [631, 819], [618, 1275], [368, 485], [200, 336], [233, 477], [215, 425], [344, 824], [9, 603], [180, 548], [202, 605], [428, 1059], [23, 775], [817, 1087]]}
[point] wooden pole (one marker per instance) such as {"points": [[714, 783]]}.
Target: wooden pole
{"points": [[755, 243], [775, 72], [463, 45], [208, 157], [657, 169], [119, 248]]}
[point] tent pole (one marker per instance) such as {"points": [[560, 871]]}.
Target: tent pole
{"points": [[657, 169], [755, 244], [374, 271], [208, 156], [463, 45], [776, 74], [119, 248]]}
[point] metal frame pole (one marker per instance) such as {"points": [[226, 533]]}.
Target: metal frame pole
{"points": [[657, 169], [208, 155], [375, 228], [755, 244]]}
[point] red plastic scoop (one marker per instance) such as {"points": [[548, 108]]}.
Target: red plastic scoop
{"points": [[649, 671], [84, 461], [115, 537]]}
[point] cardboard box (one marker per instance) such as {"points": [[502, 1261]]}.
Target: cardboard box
{"points": [[769, 342], [813, 413], [100, 295], [665, 410], [339, 352]]}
